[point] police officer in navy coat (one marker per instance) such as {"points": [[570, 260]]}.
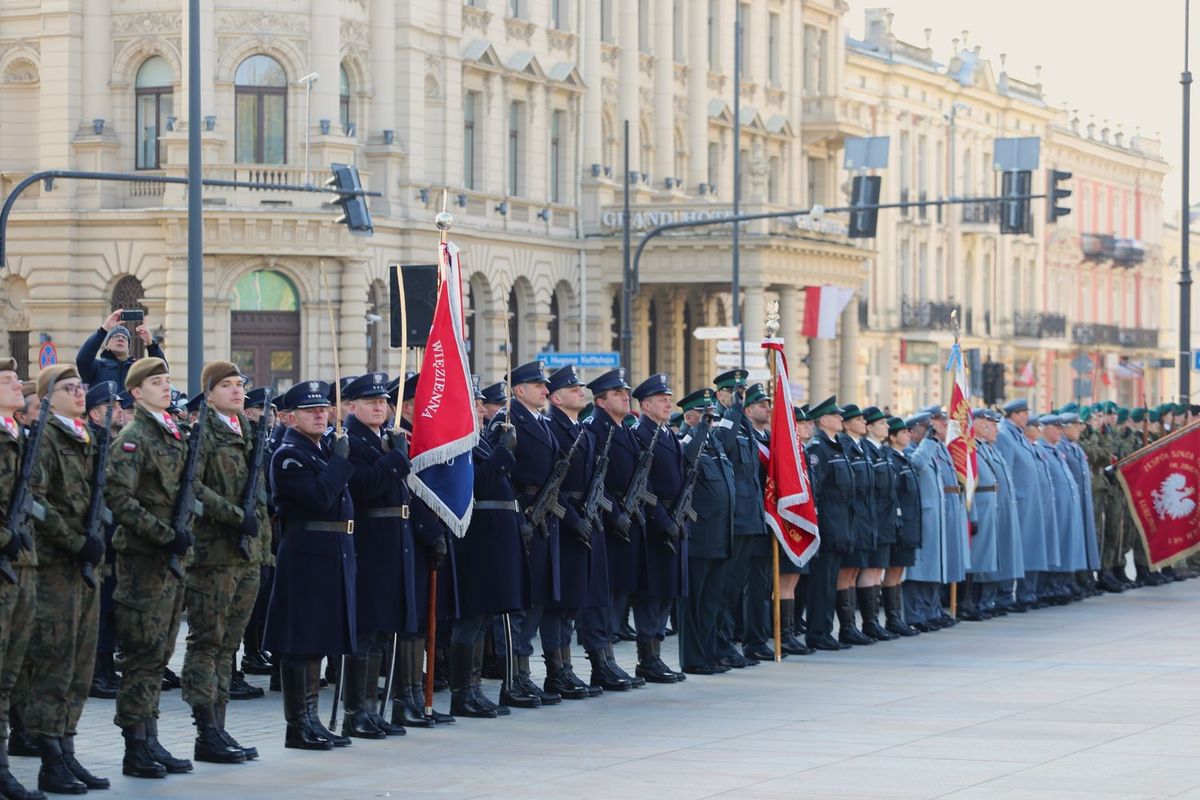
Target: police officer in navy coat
{"points": [[312, 607], [610, 395], [663, 576], [582, 555], [536, 454], [383, 542], [833, 489]]}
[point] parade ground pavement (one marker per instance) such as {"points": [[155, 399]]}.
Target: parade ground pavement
{"points": [[1095, 700]]}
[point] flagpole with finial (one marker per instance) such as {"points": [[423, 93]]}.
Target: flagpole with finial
{"points": [[772, 331], [957, 354], [444, 221]]}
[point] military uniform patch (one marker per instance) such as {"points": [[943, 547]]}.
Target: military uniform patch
{"points": [[291, 463], [129, 447]]}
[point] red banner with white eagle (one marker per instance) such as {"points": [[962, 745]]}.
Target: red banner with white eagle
{"points": [[1161, 482], [960, 427], [788, 500]]}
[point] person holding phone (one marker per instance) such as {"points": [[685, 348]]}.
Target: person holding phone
{"points": [[107, 355]]}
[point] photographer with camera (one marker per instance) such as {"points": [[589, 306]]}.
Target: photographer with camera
{"points": [[106, 355]]}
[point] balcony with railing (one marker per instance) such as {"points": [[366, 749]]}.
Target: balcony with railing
{"points": [[829, 117], [1092, 333], [1039, 325], [926, 315], [1101, 247], [1140, 338]]}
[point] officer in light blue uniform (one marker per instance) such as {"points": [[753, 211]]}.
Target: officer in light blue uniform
{"points": [[922, 580], [1033, 495], [996, 586], [983, 517], [1081, 471], [1067, 511]]}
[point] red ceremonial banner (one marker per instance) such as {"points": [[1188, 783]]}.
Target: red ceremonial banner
{"points": [[1161, 483]]}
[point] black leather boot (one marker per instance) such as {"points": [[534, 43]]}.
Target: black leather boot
{"points": [[20, 743], [477, 682], [210, 746], [603, 676], [417, 653], [138, 762], [636, 681], [657, 644], [868, 607], [576, 681], [219, 710], [301, 735], [54, 776], [254, 660], [788, 642], [893, 609], [356, 722], [557, 681], [175, 766], [78, 770], [848, 633], [239, 689], [10, 787], [650, 666], [104, 678], [371, 696], [406, 709], [521, 693], [463, 702], [312, 694]]}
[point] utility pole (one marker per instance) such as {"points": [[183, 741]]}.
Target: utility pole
{"points": [[626, 273], [736, 282], [1185, 226], [195, 240]]}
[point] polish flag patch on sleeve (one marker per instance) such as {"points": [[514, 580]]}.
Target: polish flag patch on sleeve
{"points": [[129, 447]]}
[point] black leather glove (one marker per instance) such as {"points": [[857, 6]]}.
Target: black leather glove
{"points": [[526, 536], [249, 525], [340, 446], [92, 551], [398, 440], [179, 545], [436, 554], [672, 530], [508, 437], [622, 523], [582, 528]]}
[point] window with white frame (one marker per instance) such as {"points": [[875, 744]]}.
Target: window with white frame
{"points": [[470, 111], [516, 112]]}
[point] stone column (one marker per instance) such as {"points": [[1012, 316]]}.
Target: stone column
{"points": [[789, 318], [324, 52], [664, 94], [593, 133], [697, 97], [819, 355], [848, 375], [175, 319], [96, 151], [383, 68], [208, 92], [629, 77], [754, 313], [352, 325]]}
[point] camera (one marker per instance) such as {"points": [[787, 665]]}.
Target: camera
{"points": [[134, 315]]}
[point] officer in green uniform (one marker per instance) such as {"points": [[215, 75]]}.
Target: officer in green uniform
{"points": [[222, 580], [62, 649], [145, 469], [18, 600]]}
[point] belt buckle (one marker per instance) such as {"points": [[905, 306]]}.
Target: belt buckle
{"points": [[349, 527], [404, 511]]}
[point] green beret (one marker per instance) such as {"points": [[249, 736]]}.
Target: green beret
{"points": [[1137, 415], [1154, 415], [142, 369], [1122, 414], [1069, 408], [1085, 413]]}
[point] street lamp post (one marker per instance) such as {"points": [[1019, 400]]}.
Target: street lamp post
{"points": [[1185, 226], [195, 238]]}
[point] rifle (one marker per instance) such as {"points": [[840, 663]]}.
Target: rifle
{"points": [[546, 502], [98, 513], [683, 513], [22, 508], [638, 495], [185, 501], [250, 493], [595, 499]]}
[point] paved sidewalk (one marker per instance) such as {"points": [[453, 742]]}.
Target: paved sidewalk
{"points": [[1097, 700]]}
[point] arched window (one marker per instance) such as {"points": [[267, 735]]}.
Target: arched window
{"points": [[260, 86], [344, 99], [154, 98], [265, 328], [264, 290], [127, 295]]}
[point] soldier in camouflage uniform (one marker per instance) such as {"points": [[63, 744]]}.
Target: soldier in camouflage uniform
{"points": [[18, 601], [222, 582], [147, 462], [62, 647], [1099, 442]]}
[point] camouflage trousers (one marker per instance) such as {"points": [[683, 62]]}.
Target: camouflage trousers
{"points": [[1115, 545], [18, 605], [62, 650], [219, 601], [149, 606]]}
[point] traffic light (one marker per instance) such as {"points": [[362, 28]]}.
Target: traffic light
{"points": [[349, 188], [1014, 213], [993, 383], [1053, 194], [864, 192]]}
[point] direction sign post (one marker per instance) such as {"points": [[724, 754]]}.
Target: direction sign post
{"points": [[596, 360], [717, 332]]}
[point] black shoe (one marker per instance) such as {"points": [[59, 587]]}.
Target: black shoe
{"points": [[557, 680], [256, 664], [762, 653], [219, 711], [174, 766], [312, 693], [868, 607], [651, 667], [604, 676], [105, 681], [210, 745], [21, 743], [1110, 584], [406, 709], [138, 762], [826, 642], [925, 627], [735, 661], [357, 725], [10, 787], [970, 615], [847, 632], [794, 647], [703, 669], [626, 633], [54, 776], [300, 735], [464, 704], [947, 621], [80, 772], [239, 689], [530, 688], [516, 696]]}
